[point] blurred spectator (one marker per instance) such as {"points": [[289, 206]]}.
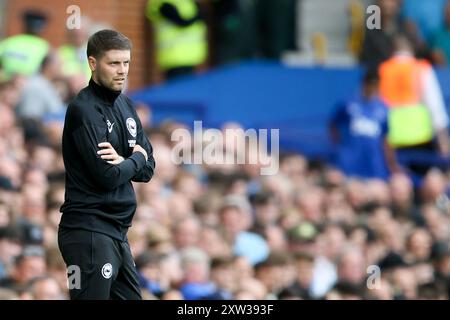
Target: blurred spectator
{"points": [[266, 211], [330, 244], [402, 194], [180, 35], [417, 110], [441, 262], [172, 295], [301, 288], [224, 276], [351, 267], [144, 112], [310, 202], [345, 291], [235, 30], [23, 53], [172, 270], [213, 243], [405, 283], [303, 238], [436, 221], [28, 265], [74, 63], [5, 216], [10, 248], [10, 90], [360, 128], [46, 288], [382, 292], [276, 272], [378, 44], [433, 190], [234, 218], [56, 267], [441, 40], [423, 17], [149, 267], [418, 245], [39, 96], [187, 232], [11, 170], [253, 289], [432, 291], [196, 282]]}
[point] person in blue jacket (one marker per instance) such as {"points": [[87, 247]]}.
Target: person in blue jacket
{"points": [[359, 130]]}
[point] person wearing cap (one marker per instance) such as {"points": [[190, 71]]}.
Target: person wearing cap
{"points": [[23, 53], [302, 237]]}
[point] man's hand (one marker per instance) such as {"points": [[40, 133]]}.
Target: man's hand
{"points": [[109, 153], [138, 148]]}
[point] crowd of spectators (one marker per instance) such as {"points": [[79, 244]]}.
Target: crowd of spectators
{"points": [[227, 232], [222, 231]]}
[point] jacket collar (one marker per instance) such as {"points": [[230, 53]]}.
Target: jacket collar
{"points": [[104, 93]]}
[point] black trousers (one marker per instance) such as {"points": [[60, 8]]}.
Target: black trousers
{"points": [[99, 267], [420, 169]]}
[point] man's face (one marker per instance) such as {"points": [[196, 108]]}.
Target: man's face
{"points": [[371, 89], [30, 268], [389, 8], [111, 69]]}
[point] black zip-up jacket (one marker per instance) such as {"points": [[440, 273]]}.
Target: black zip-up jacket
{"points": [[99, 196]]}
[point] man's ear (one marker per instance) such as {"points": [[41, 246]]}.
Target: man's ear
{"points": [[92, 63]]}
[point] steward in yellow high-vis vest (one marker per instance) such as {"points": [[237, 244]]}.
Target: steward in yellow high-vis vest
{"points": [[73, 63], [417, 110], [23, 53], [180, 33]]}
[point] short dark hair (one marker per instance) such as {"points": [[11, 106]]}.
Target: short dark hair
{"points": [[371, 76], [105, 40]]}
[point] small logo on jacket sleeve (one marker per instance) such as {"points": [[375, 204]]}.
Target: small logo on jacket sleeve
{"points": [[131, 126], [107, 270], [110, 125]]}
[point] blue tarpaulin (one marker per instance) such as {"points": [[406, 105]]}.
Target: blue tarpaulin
{"points": [[298, 101]]}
